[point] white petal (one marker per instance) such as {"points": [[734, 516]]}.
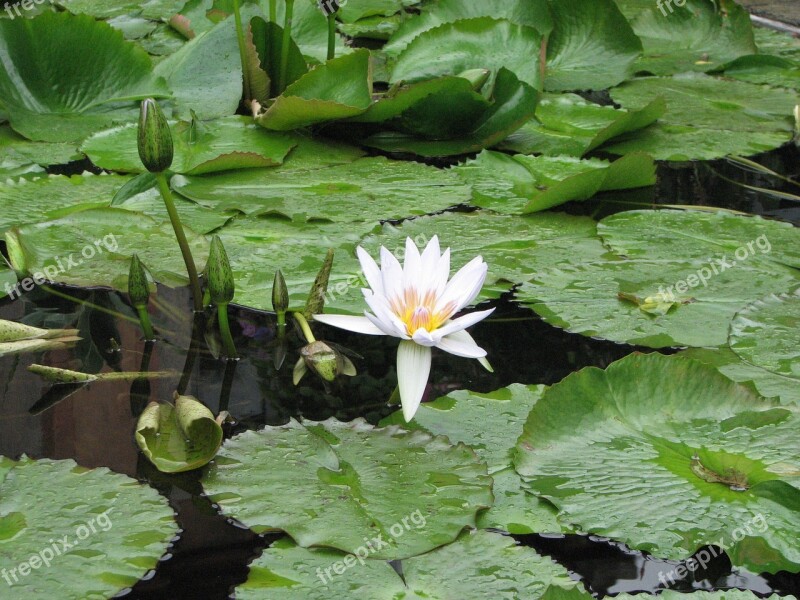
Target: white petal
{"points": [[438, 279], [412, 261], [461, 343], [462, 323], [465, 285], [429, 264], [357, 324], [371, 270], [391, 274], [413, 369], [389, 322], [425, 338]]}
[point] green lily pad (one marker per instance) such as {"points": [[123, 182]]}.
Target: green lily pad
{"points": [[16, 148], [568, 125], [770, 70], [531, 13], [489, 424], [777, 43], [94, 248], [668, 455], [477, 43], [8, 279], [349, 481], [767, 334], [523, 184], [698, 36], [52, 100], [354, 10], [374, 28], [178, 438], [440, 117], [337, 89], [69, 532], [107, 9], [765, 383], [476, 566], [592, 46], [368, 189], [608, 299], [718, 236], [220, 145]]}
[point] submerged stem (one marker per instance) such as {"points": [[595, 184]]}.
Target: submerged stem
{"points": [[225, 331], [177, 226], [144, 320], [285, 45], [331, 36]]}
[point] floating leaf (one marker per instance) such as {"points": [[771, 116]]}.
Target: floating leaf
{"points": [[107, 9], [767, 334], [53, 100], [22, 151], [668, 455], [489, 424], [178, 438], [343, 482], [94, 532], [220, 145], [569, 125], [758, 68], [477, 565], [525, 184]]}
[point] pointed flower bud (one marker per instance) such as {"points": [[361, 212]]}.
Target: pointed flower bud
{"points": [[280, 295], [155, 138], [220, 274], [138, 287], [325, 361], [316, 298]]}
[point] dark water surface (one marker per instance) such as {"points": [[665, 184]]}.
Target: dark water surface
{"points": [[94, 424]]}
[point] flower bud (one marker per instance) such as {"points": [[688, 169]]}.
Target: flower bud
{"points": [[155, 138], [325, 361], [220, 275], [138, 287], [280, 295], [316, 298]]}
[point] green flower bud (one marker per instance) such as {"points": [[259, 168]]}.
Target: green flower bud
{"points": [[138, 287], [326, 362], [316, 299], [280, 295], [220, 274], [155, 138]]}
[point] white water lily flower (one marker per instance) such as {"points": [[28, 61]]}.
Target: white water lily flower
{"points": [[416, 303]]}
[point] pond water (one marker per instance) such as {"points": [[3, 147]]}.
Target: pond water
{"points": [[94, 424]]}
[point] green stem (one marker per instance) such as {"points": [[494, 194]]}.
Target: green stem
{"points": [[242, 50], [273, 11], [177, 226], [225, 331], [287, 39], [301, 320], [144, 320], [331, 36]]}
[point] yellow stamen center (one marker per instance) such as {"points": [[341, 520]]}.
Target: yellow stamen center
{"points": [[419, 312]]}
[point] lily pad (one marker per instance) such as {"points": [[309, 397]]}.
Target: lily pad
{"points": [[523, 184], [478, 43], [592, 46], [16, 148], [94, 248], [489, 424], [48, 99], [337, 89], [567, 124], [611, 299], [368, 189], [771, 70], [347, 482], [766, 383], [219, 145], [668, 455], [700, 35], [724, 236], [107, 9], [105, 530], [767, 334], [178, 438], [476, 566]]}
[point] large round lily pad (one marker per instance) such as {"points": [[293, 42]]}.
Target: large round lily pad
{"points": [[341, 484], [478, 565], [72, 533], [490, 424], [767, 334], [668, 455]]}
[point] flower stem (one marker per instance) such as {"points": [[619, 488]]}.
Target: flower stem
{"points": [[331, 36], [225, 331], [177, 226], [273, 11], [144, 320], [301, 320], [287, 39], [242, 50]]}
